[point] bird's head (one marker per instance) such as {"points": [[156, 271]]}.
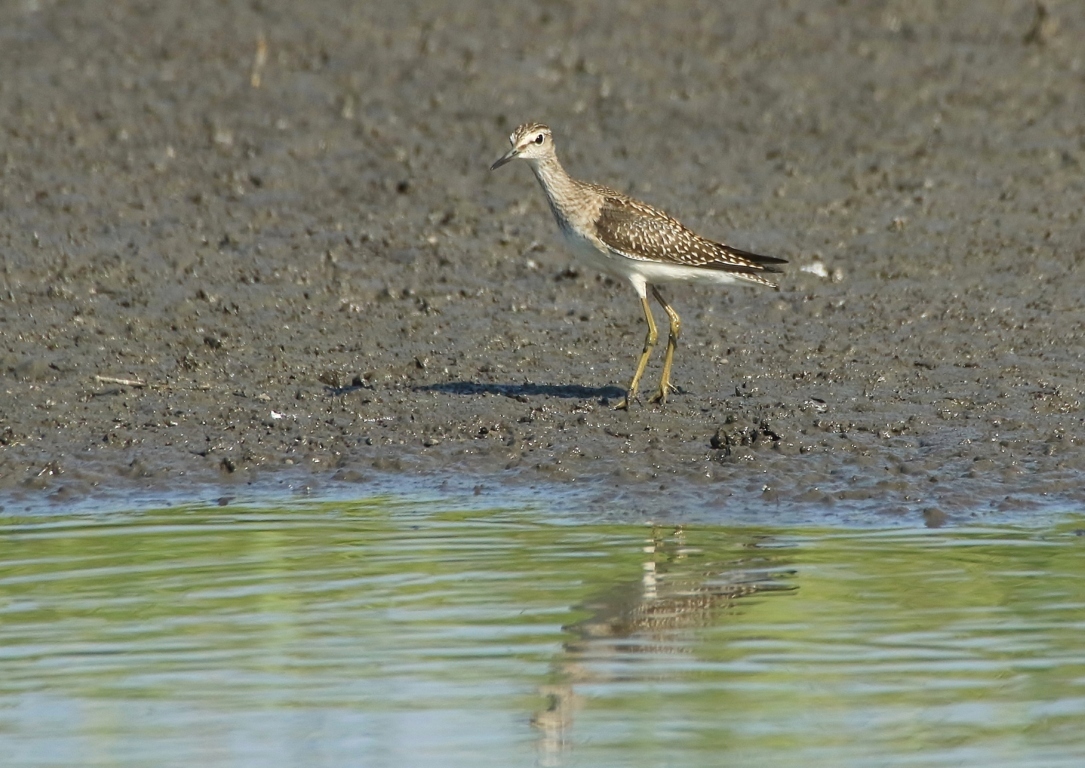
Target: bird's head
{"points": [[531, 141]]}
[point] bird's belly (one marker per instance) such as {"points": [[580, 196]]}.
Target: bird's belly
{"points": [[589, 254], [639, 272]]}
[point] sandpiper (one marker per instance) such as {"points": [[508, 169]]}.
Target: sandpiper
{"points": [[627, 238]]}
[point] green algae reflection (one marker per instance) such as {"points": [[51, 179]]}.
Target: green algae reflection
{"points": [[390, 632]]}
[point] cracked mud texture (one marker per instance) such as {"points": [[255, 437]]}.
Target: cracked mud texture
{"points": [[320, 275]]}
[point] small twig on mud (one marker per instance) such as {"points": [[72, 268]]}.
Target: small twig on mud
{"points": [[122, 382], [258, 61]]}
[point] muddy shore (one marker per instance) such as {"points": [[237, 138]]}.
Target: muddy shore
{"points": [[224, 260]]}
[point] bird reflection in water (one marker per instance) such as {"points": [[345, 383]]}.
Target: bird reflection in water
{"points": [[682, 588]]}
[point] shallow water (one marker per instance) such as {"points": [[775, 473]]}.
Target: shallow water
{"points": [[396, 632]]}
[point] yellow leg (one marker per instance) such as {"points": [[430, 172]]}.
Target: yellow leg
{"points": [[649, 342], [665, 385]]}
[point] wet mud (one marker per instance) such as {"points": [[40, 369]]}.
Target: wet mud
{"points": [[246, 239]]}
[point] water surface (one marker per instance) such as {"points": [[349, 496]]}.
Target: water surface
{"points": [[389, 632]]}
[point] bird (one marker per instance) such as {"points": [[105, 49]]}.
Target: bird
{"points": [[626, 238]]}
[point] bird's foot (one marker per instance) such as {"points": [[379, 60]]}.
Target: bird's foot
{"points": [[665, 388]]}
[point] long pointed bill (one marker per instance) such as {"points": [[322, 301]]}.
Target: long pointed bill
{"points": [[510, 155]]}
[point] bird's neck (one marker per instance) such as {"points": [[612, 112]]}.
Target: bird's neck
{"points": [[563, 192]]}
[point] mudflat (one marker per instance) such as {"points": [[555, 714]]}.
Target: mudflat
{"points": [[246, 239]]}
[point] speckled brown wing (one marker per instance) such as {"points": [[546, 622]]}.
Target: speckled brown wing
{"points": [[639, 231]]}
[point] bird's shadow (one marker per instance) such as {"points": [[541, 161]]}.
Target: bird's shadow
{"points": [[525, 390]]}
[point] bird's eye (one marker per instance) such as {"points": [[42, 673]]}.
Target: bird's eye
{"points": [[539, 139]]}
